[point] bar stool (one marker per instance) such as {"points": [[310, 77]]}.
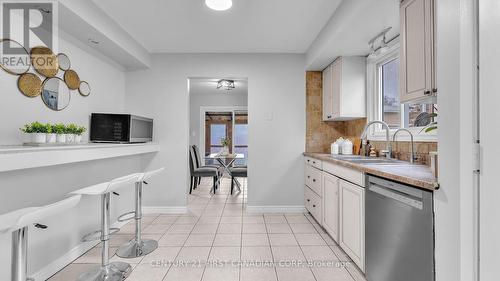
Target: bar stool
{"points": [[137, 246], [18, 222], [107, 271]]}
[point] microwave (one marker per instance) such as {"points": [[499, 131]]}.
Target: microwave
{"points": [[120, 128]]}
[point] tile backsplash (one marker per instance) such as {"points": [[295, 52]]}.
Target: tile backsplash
{"points": [[319, 134]]}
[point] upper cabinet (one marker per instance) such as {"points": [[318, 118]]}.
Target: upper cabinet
{"points": [[344, 89], [418, 82]]}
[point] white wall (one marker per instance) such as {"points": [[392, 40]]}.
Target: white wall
{"points": [[35, 187], [209, 99], [276, 104]]}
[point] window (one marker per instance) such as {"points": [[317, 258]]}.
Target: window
{"points": [[384, 103], [217, 132]]}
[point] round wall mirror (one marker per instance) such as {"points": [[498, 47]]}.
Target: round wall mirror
{"points": [[64, 62], [84, 88], [55, 94], [44, 61], [15, 58]]}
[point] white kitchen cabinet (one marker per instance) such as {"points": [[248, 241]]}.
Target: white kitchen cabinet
{"points": [[331, 205], [344, 89], [417, 53], [352, 221], [313, 188]]}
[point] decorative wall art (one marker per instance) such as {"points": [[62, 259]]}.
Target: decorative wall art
{"points": [[55, 91]]}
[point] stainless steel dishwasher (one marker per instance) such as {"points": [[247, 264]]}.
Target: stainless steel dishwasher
{"points": [[399, 232]]}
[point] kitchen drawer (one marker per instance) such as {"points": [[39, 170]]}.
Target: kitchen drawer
{"points": [[313, 204], [313, 162], [348, 174], [313, 179]]}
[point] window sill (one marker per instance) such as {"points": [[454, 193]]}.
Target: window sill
{"points": [[403, 136]]}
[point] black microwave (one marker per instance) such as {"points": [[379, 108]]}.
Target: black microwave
{"points": [[120, 128]]}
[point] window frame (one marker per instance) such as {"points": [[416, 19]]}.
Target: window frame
{"points": [[374, 99]]}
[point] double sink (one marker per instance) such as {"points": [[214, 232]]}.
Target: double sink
{"points": [[355, 159]]}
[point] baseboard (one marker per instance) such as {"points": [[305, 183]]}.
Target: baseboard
{"points": [[276, 209], [164, 210], [60, 263]]}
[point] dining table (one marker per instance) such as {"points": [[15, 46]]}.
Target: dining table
{"points": [[226, 161]]}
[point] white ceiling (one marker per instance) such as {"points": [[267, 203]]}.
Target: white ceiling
{"points": [[250, 26], [208, 86]]}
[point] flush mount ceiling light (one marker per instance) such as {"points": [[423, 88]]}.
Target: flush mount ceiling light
{"points": [[219, 5], [225, 84]]}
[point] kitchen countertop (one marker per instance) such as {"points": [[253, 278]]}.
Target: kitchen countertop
{"points": [[400, 171]]}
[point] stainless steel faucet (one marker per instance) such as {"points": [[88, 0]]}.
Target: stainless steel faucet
{"points": [[387, 141], [412, 147]]}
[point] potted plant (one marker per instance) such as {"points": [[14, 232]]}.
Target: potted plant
{"points": [[60, 130], [71, 131], [225, 143], [79, 132], [37, 130], [51, 135]]}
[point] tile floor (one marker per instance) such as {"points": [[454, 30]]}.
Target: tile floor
{"points": [[218, 240]]}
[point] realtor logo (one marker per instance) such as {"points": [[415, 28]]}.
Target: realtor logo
{"points": [[24, 25]]}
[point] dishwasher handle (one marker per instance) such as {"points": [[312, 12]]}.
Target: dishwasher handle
{"points": [[406, 199]]}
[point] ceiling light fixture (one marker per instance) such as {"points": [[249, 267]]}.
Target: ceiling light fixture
{"points": [[225, 84], [383, 46], [219, 5]]}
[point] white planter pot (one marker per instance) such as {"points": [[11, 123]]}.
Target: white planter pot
{"points": [[61, 138], [78, 138], [70, 138], [39, 138], [51, 138]]}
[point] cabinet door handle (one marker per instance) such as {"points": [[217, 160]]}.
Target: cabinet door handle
{"points": [[314, 162], [308, 200], [328, 116], [435, 90], [314, 180], [314, 206], [308, 160], [427, 93], [308, 177]]}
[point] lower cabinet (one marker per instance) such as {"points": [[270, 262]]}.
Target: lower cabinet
{"points": [[352, 221], [331, 205], [313, 203]]}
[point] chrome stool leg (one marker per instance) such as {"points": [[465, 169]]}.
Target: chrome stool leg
{"points": [[20, 254], [137, 247], [114, 271]]}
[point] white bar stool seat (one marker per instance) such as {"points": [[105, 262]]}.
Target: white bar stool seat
{"points": [[138, 247], [115, 271], [18, 222]]}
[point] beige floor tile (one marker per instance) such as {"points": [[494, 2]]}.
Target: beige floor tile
{"points": [[193, 254], [310, 240], [278, 228], [319, 253], [94, 255], [72, 271], [156, 229], [227, 240], [119, 239], [303, 228], [147, 272], [184, 274], [254, 228], [282, 240], [328, 240], [173, 239], [275, 219], [253, 219], [162, 255], [231, 220], [181, 228], [261, 253], [200, 240], [296, 219], [295, 274], [164, 220], [229, 228], [226, 273], [224, 254], [254, 240], [288, 253], [331, 274], [206, 219], [186, 220], [205, 228], [258, 274]]}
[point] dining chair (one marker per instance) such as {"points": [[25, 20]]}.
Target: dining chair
{"points": [[237, 172], [201, 172], [200, 164]]}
